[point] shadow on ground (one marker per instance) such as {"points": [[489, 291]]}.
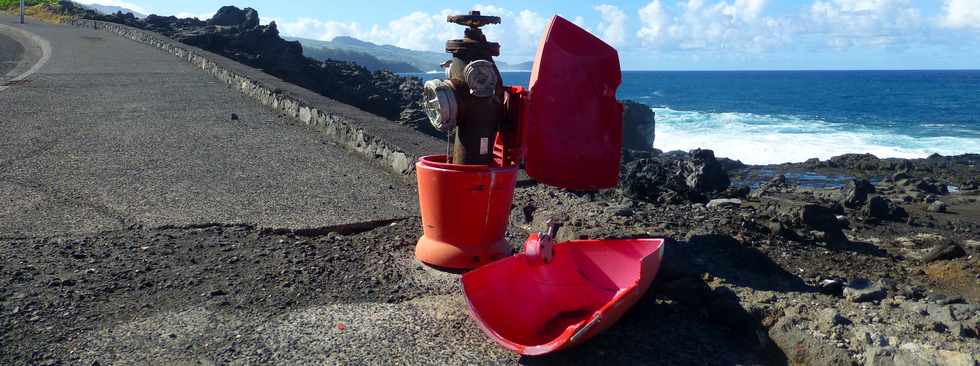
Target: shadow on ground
{"points": [[859, 247], [683, 320]]}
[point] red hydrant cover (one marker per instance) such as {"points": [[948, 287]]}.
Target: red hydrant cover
{"points": [[573, 124], [533, 307]]}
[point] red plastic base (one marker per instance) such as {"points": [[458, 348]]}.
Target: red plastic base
{"points": [[444, 255], [465, 211]]}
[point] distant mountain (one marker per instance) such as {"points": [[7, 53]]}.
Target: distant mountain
{"points": [[388, 54], [523, 66], [109, 10], [361, 58], [417, 60]]}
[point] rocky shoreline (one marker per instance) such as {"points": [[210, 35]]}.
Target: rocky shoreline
{"points": [[882, 273]]}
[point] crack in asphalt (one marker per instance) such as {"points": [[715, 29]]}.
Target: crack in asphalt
{"points": [[342, 229], [44, 147], [62, 198]]}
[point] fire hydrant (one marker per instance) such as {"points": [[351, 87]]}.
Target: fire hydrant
{"points": [[470, 100], [464, 198], [565, 131]]}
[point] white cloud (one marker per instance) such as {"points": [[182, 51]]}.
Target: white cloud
{"points": [[743, 9], [655, 21], [317, 29], [121, 4], [961, 14], [201, 16], [735, 28], [418, 30], [876, 23], [743, 26], [725, 25], [518, 33], [530, 26], [504, 33], [612, 29]]}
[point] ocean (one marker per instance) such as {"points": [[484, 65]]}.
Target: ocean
{"points": [[771, 117]]}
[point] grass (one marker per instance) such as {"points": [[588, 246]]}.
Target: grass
{"points": [[13, 4], [43, 10]]}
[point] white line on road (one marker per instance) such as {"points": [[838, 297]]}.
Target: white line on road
{"points": [[39, 42]]}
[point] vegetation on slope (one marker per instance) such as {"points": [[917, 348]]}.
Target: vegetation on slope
{"points": [[8, 4], [361, 58], [44, 10]]}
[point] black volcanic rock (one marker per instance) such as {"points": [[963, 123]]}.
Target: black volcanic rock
{"points": [[230, 16], [957, 170], [808, 215], [651, 180], [639, 126], [251, 19], [881, 208], [944, 252], [704, 173], [820, 217], [696, 176], [856, 161], [930, 185], [856, 193]]}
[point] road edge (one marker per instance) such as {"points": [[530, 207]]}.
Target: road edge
{"points": [[38, 41], [364, 133]]}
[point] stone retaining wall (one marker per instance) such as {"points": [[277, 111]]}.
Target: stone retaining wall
{"points": [[339, 126]]}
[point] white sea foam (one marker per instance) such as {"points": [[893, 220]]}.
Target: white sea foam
{"points": [[766, 139]]}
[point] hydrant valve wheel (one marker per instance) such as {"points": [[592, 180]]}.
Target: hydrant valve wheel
{"points": [[474, 19], [439, 103]]}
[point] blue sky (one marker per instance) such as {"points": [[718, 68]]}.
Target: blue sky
{"points": [[656, 34]]}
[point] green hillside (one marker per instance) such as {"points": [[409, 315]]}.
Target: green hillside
{"points": [[387, 54], [420, 60], [361, 58], [7, 4]]}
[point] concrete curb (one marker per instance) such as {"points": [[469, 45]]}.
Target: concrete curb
{"points": [[39, 42], [393, 146]]}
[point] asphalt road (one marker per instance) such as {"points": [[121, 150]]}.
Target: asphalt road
{"points": [[10, 52], [111, 134]]}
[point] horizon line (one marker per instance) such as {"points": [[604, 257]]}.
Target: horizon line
{"points": [[734, 70], [781, 70]]}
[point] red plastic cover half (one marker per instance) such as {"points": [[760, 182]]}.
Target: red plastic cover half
{"points": [[573, 123], [533, 307]]}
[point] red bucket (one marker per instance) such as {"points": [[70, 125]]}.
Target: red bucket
{"points": [[465, 212]]}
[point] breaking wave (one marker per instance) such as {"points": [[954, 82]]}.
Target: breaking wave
{"points": [[772, 139]]}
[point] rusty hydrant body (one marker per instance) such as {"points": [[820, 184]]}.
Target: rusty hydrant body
{"points": [[465, 197], [472, 97]]}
